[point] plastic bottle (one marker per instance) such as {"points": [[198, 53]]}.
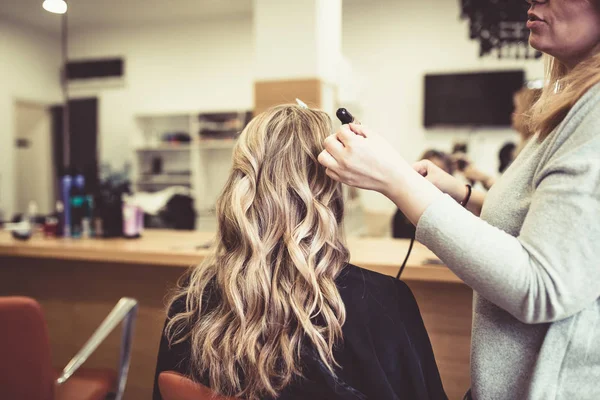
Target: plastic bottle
{"points": [[88, 218], [59, 213], [66, 183], [77, 197], [32, 211], [27, 227]]}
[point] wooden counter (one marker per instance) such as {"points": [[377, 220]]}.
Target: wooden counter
{"points": [[184, 249], [78, 282]]}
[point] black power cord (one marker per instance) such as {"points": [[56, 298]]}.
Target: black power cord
{"points": [[412, 242], [346, 118]]}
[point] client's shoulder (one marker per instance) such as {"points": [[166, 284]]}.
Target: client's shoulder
{"points": [[353, 275], [361, 285], [178, 301]]}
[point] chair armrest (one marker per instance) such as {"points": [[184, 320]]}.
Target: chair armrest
{"points": [[126, 311]]}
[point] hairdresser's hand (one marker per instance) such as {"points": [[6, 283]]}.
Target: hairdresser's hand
{"points": [[441, 179], [475, 175], [359, 157]]}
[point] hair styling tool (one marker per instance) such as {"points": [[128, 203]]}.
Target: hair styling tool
{"points": [[346, 118]]}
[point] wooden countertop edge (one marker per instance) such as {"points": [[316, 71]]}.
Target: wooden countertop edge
{"points": [[167, 259], [423, 273]]}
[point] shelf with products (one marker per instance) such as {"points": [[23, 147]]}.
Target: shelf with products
{"points": [[216, 144], [198, 142], [221, 125], [204, 144]]}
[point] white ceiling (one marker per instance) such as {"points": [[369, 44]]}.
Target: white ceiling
{"points": [[110, 13]]}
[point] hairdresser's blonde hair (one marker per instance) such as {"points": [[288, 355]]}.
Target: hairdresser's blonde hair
{"points": [[266, 294], [524, 99], [561, 91]]}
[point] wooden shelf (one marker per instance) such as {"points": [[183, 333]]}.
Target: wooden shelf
{"points": [[183, 147], [165, 180], [164, 184], [202, 145], [216, 144]]}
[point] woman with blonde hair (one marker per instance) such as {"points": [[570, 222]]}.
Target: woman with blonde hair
{"points": [[530, 248], [276, 311]]}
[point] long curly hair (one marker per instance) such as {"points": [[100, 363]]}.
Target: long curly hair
{"points": [[267, 291]]}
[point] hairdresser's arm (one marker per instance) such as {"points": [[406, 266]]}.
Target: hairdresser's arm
{"points": [[450, 185], [361, 158], [548, 273]]}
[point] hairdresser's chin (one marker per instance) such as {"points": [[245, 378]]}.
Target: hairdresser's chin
{"points": [[566, 30]]}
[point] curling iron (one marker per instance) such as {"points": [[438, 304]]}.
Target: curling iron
{"points": [[346, 117]]}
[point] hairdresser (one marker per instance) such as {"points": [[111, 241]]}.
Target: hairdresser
{"points": [[530, 249]]}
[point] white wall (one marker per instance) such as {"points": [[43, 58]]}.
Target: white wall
{"points": [[34, 174], [201, 65], [306, 45], [30, 71], [391, 44]]}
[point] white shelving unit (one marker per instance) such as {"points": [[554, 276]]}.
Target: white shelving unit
{"points": [[202, 164]]}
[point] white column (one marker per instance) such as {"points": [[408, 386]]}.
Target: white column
{"points": [[296, 41]]}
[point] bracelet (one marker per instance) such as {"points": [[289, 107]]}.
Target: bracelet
{"points": [[467, 197]]}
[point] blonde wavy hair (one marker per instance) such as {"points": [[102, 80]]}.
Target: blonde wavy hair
{"points": [[562, 89], [267, 290], [524, 100]]}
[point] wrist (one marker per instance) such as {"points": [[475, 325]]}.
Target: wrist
{"points": [[411, 192], [459, 191], [393, 182]]}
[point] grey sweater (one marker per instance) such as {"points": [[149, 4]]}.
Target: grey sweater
{"points": [[533, 260]]}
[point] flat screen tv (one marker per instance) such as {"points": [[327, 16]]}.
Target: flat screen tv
{"points": [[473, 99]]}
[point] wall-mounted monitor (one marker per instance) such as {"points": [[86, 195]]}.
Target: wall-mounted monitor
{"points": [[482, 99]]}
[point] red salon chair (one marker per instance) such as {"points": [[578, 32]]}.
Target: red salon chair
{"points": [[25, 364], [174, 386]]}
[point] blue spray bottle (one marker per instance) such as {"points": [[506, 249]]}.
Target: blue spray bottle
{"points": [[66, 184], [77, 205]]}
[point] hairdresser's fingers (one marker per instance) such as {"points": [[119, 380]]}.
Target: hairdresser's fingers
{"points": [[328, 161], [358, 129], [333, 175], [345, 135], [422, 167], [333, 146]]}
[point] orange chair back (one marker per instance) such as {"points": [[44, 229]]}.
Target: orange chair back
{"points": [[174, 386], [25, 364]]}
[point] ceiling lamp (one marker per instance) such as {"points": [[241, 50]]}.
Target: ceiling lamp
{"points": [[55, 6], [500, 27]]}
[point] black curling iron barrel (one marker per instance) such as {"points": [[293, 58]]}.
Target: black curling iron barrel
{"points": [[344, 116]]}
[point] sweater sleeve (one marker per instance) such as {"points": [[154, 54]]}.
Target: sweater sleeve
{"points": [[552, 269]]}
